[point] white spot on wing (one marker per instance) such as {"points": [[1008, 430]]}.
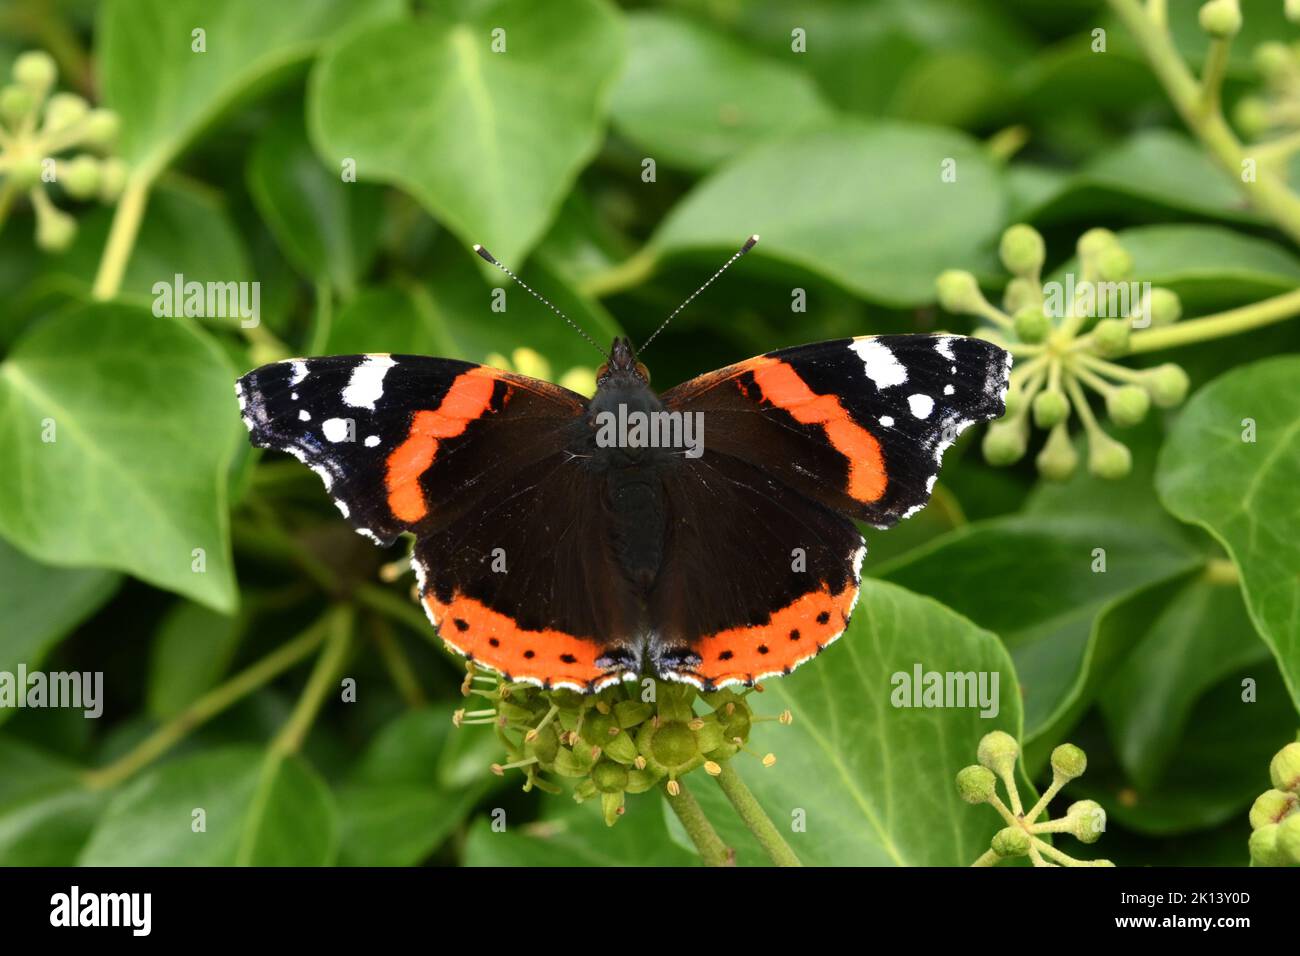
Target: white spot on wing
{"points": [[304, 415], [887, 421], [921, 405], [943, 345], [366, 385], [335, 429], [299, 368], [372, 441], [881, 365], [948, 390]]}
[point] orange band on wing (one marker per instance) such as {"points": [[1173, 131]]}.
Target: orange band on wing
{"points": [[469, 396], [792, 635], [549, 657], [782, 386]]}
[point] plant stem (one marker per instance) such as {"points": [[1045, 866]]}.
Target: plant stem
{"points": [[399, 666], [712, 850], [628, 273], [398, 608], [1266, 191], [122, 236], [7, 194], [289, 739], [1230, 322], [208, 706], [752, 814]]}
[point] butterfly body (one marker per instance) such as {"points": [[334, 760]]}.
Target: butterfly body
{"points": [[706, 534]]}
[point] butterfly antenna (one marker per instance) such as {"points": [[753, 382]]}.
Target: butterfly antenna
{"points": [[749, 244], [539, 297]]}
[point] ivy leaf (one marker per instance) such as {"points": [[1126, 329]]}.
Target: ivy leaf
{"points": [[574, 834], [191, 651], [885, 792], [470, 132], [259, 810], [1247, 493], [694, 98], [45, 812], [394, 808], [40, 605], [861, 205], [328, 228], [167, 91], [1031, 579], [144, 423]]}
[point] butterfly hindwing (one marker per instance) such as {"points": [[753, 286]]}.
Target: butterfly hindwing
{"points": [[859, 425]]}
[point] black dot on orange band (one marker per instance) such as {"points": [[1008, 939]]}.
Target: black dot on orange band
{"points": [[568, 658], [494, 642], [725, 656], [461, 625], [823, 617], [762, 648], [530, 654], [794, 635]]}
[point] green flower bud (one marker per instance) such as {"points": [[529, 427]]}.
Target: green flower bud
{"points": [[35, 71], [1051, 407], [1113, 264], [1273, 59], [669, 748], [1163, 306], [1020, 294], [1022, 250], [998, 751], [55, 229], [639, 781], [611, 807], [1111, 337], [1264, 850], [1005, 442], [1087, 819], [629, 713], [1221, 19], [1108, 458], [1284, 769], [621, 748], [674, 702], [15, 103], [544, 745], [1011, 841], [959, 292], [1058, 458], [609, 777], [1167, 384], [1127, 405], [80, 177], [1094, 242], [1069, 762], [25, 172], [1252, 117], [1272, 806], [1288, 839], [575, 762], [64, 111], [101, 128], [112, 179], [710, 736], [976, 784], [1032, 325]]}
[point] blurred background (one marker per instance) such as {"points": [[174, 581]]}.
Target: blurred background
{"points": [[344, 155]]}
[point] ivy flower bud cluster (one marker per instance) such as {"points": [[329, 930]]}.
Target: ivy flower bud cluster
{"points": [[37, 127], [1276, 108], [1275, 816], [1024, 833], [1060, 356], [628, 739]]}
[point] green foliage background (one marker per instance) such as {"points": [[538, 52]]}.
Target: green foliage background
{"points": [[833, 156]]}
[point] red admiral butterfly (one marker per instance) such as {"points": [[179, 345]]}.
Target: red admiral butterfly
{"points": [[559, 543]]}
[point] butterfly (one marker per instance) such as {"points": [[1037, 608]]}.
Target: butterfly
{"points": [[706, 534]]}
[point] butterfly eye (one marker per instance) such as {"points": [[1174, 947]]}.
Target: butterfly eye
{"points": [[643, 372]]}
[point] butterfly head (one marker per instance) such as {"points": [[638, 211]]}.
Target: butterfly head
{"points": [[622, 367]]}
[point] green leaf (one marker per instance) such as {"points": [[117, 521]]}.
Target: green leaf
{"points": [[1247, 493], [191, 651], [258, 810], [45, 812], [884, 775], [483, 139], [144, 425], [861, 205], [40, 605], [571, 834], [395, 807], [327, 228], [1030, 579], [166, 92], [694, 98], [1196, 632]]}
